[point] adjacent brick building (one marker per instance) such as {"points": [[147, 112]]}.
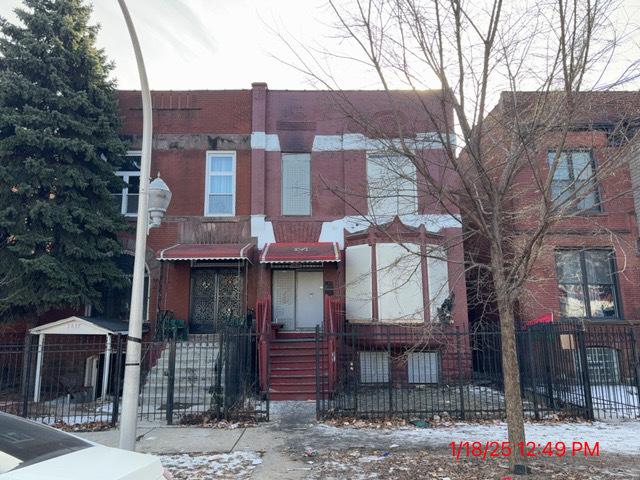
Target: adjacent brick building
{"points": [[588, 270]]}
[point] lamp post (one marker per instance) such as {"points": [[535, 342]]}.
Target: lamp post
{"points": [[152, 199]]}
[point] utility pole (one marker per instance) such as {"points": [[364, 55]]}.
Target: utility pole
{"points": [[131, 388]]}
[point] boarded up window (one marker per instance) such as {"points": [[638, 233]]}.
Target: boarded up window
{"points": [[374, 367], [400, 293], [392, 185], [284, 283], [296, 184], [358, 282], [438, 274], [423, 367]]}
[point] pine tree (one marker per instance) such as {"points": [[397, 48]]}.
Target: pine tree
{"points": [[59, 148]]}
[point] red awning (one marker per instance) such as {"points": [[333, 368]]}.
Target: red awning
{"points": [[300, 253], [207, 251]]}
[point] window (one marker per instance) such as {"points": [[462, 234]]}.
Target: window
{"points": [[374, 367], [220, 196], [127, 198], [116, 300], [392, 185], [399, 276], [603, 365], [422, 367], [296, 184], [586, 282], [573, 182]]}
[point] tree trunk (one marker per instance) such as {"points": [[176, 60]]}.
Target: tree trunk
{"points": [[511, 376]]}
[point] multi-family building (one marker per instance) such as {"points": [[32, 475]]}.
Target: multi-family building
{"points": [[285, 208]]}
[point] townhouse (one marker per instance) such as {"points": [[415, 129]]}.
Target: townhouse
{"points": [[286, 207]]}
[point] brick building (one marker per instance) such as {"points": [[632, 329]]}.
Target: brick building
{"points": [[588, 270], [273, 198]]}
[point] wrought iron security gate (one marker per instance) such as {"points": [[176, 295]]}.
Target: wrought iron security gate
{"points": [[216, 295]]}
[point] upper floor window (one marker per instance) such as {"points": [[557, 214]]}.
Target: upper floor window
{"points": [[587, 284], [574, 183], [392, 185], [127, 198], [220, 194], [296, 184]]}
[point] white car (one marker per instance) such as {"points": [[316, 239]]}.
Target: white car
{"points": [[32, 451]]}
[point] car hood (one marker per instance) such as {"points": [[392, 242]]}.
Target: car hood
{"points": [[97, 463]]}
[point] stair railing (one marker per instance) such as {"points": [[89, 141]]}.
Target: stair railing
{"points": [[333, 327], [263, 317]]}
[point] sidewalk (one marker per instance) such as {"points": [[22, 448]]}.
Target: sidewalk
{"points": [[282, 442], [281, 454]]}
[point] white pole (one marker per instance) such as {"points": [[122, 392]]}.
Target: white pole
{"points": [[36, 389], [106, 368], [131, 387]]}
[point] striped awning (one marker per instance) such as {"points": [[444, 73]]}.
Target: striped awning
{"points": [[300, 252], [206, 251]]}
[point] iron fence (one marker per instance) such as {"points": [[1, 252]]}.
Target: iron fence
{"points": [[64, 379], [392, 371]]}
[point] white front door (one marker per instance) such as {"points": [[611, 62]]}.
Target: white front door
{"points": [[284, 306], [309, 300], [298, 299]]}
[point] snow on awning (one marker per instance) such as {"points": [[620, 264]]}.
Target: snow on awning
{"points": [[300, 252], [206, 251]]}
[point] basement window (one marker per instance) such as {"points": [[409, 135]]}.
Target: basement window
{"points": [[423, 367], [374, 367]]}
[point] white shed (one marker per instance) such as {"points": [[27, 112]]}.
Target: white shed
{"points": [[78, 326]]}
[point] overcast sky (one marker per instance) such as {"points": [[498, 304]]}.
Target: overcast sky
{"points": [[207, 44], [224, 44]]}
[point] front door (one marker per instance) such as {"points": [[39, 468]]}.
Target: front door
{"points": [[216, 296], [309, 300], [297, 299]]}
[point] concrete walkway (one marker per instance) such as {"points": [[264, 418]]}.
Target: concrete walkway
{"points": [[281, 441]]}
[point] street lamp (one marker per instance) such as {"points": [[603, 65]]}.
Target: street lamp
{"points": [[153, 201], [159, 199]]}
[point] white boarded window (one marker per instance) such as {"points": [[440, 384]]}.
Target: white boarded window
{"points": [[358, 282], [392, 185], [422, 367], [220, 188], [438, 275], [284, 288], [400, 293], [296, 184], [374, 367]]}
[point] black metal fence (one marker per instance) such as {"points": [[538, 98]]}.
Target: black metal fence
{"points": [[389, 371], [63, 380]]}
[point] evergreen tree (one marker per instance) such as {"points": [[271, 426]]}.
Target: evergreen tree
{"points": [[59, 148]]}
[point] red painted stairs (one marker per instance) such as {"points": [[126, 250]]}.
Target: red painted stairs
{"points": [[292, 362]]}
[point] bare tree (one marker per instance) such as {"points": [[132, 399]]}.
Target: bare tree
{"points": [[549, 58]]}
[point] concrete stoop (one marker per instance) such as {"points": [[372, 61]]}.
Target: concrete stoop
{"points": [[194, 375]]}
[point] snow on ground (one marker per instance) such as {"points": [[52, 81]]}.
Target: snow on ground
{"points": [[74, 419], [621, 437], [236, 465]]}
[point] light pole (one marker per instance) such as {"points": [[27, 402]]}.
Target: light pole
{"points": [[159, 195]]}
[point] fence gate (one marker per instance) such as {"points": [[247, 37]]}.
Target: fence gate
{"points": [[213, 376]]}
